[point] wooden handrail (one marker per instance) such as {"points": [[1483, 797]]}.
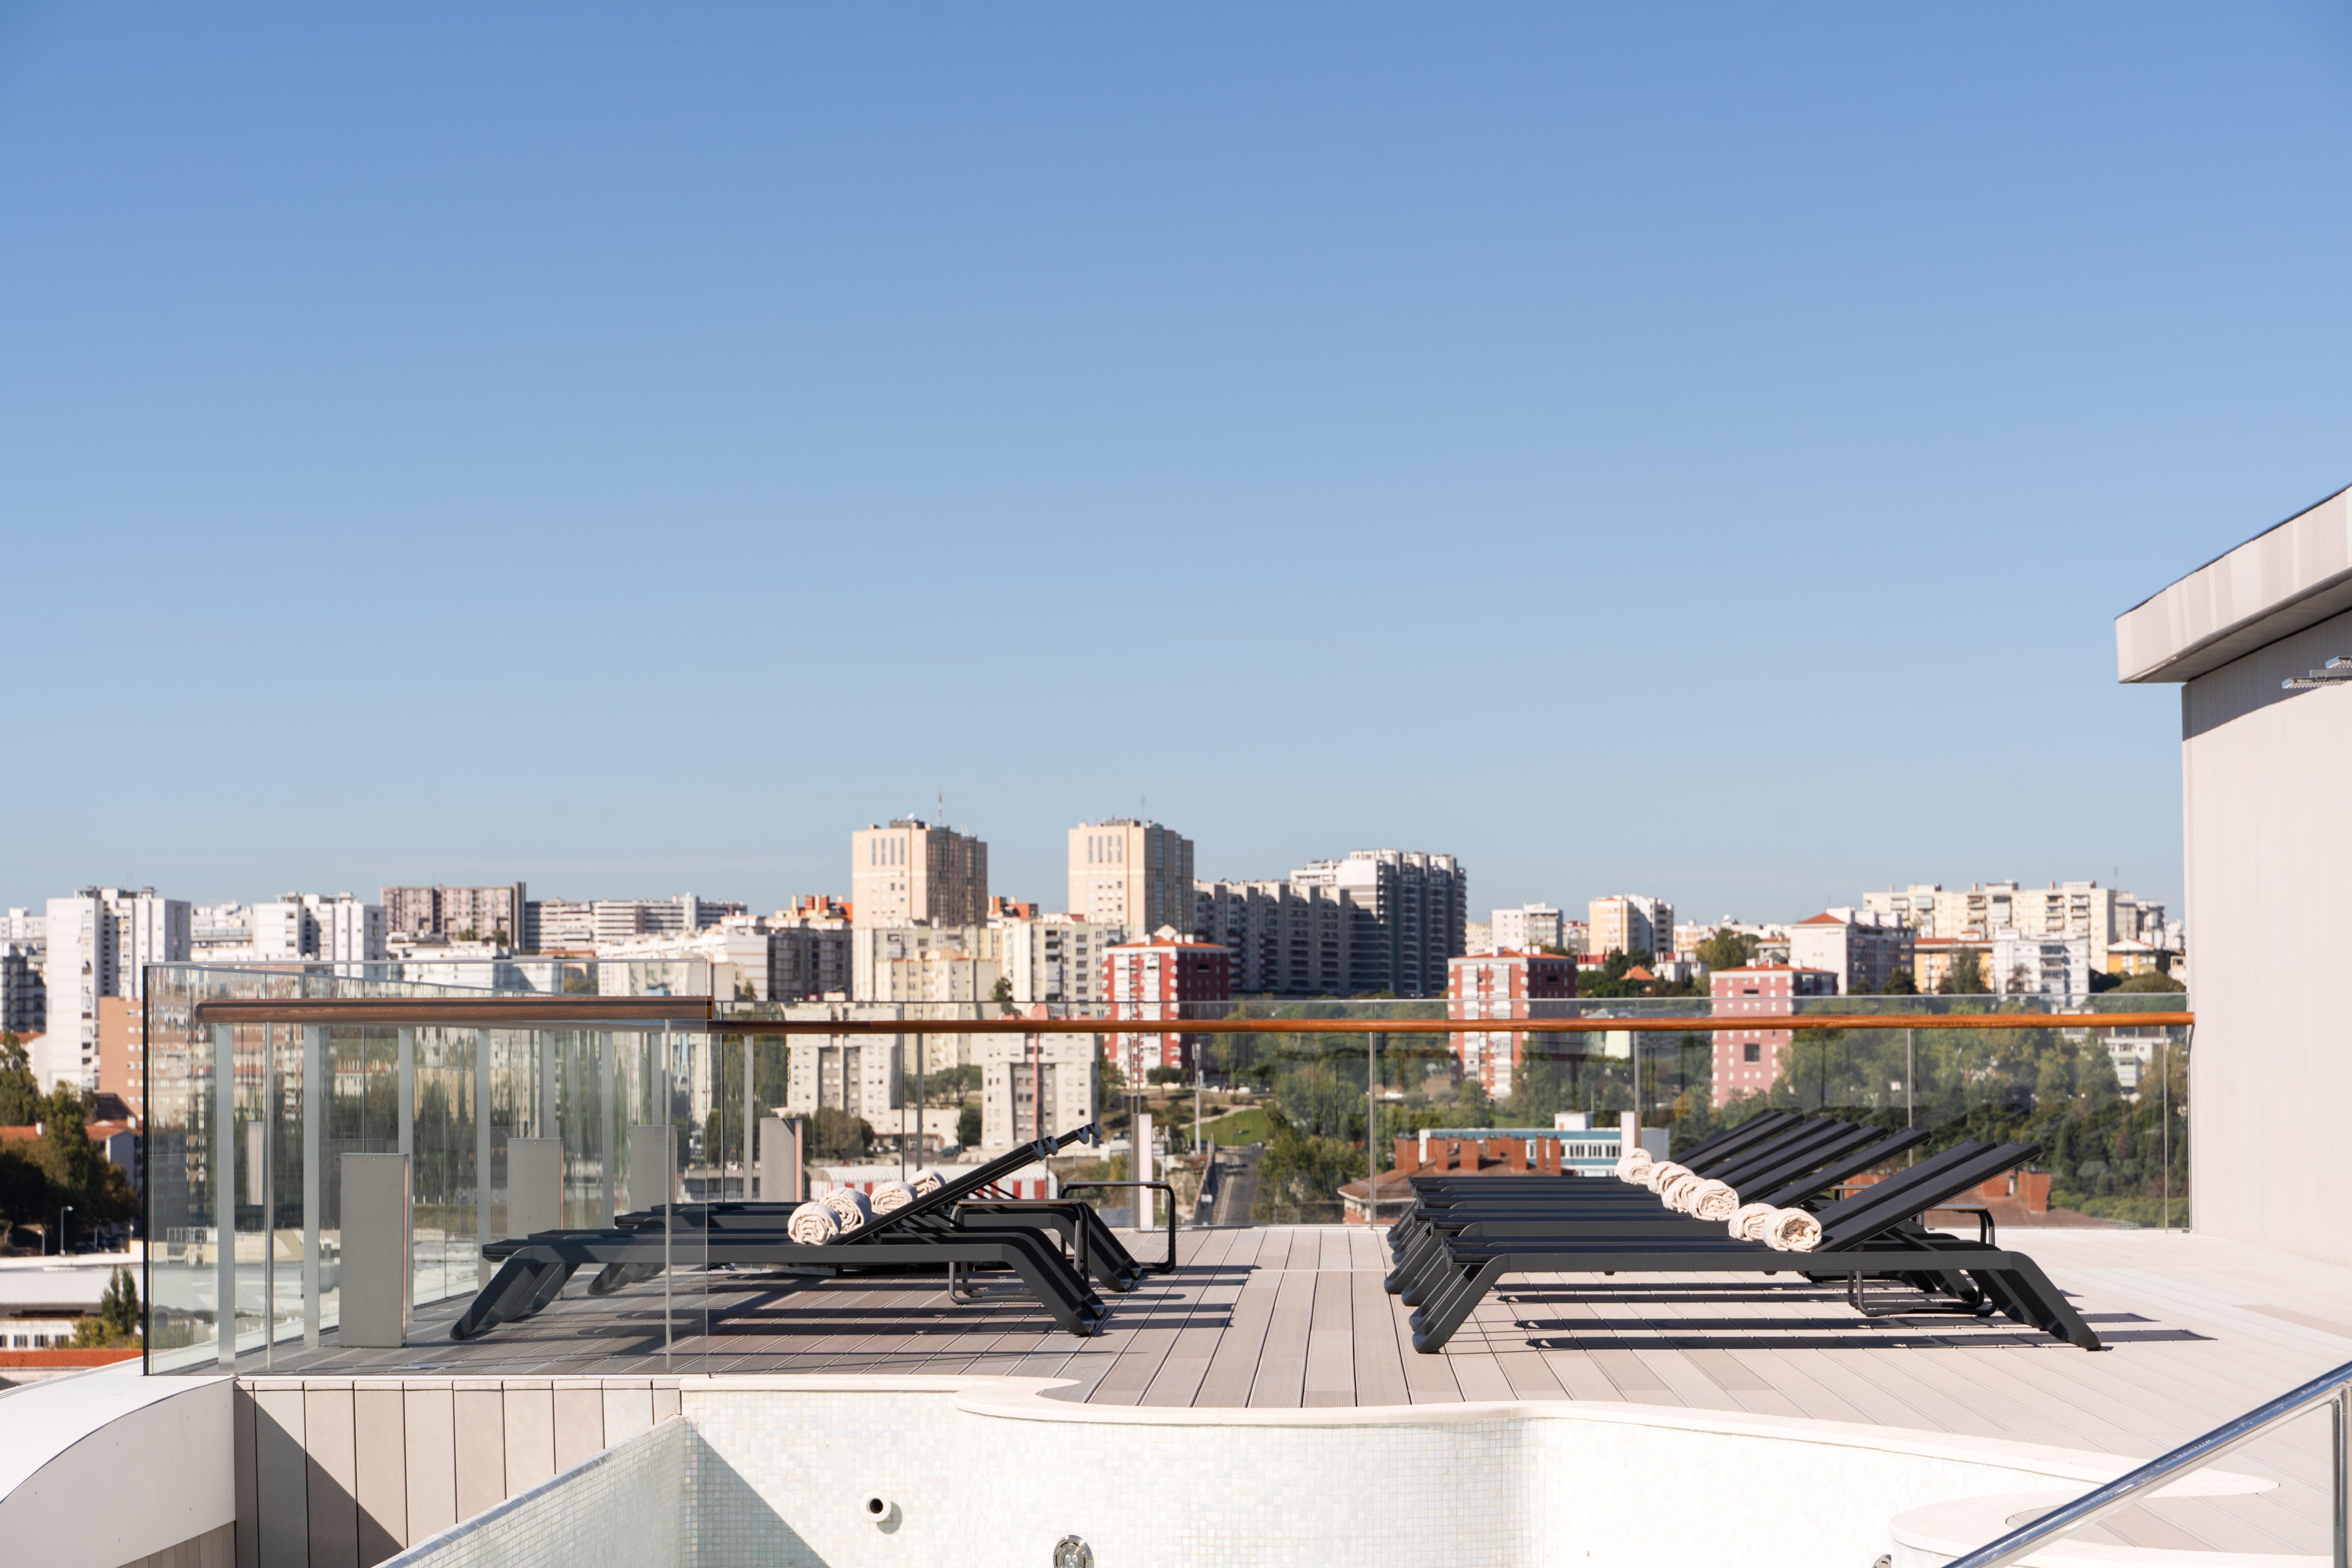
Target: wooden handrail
{"points": [[694, 1014]]}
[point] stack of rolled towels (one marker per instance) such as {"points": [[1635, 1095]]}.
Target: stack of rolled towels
{"points": [[1683, 1189], [840, 1212], [845, 1211]]}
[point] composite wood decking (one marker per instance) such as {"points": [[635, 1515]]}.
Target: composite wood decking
{"points": [[1284, 1318]]}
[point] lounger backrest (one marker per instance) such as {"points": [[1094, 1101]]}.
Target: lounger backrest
{"points": [[1749, 1134], [1851, 1164], [1878, 1208], [957, 1188], [1734, 1137], [1763, 1174], [1815, 1137]]}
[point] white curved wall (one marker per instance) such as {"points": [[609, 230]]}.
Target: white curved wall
{"points": [[97, 1471]]}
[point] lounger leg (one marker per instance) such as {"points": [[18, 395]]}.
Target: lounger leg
{"points": [[517, 1279], [2044, 1306], [549, 1289], [1434, 1324]]}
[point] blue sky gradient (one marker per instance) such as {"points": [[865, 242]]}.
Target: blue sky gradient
{"points": [[1689, 450]]}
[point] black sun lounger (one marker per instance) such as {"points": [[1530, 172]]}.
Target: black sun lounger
{"points": [[1868, 1235], [1542, 1208], [926, 1236]]}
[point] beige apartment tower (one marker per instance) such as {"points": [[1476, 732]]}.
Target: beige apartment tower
{"points": [[1135, 876], [1625, 921], [910, 871]]}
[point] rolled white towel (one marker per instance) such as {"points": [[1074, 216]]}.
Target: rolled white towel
{"points": [[813, 1224], [927, 1181], [1630, 1165], [1711, 1200], [1656, 1176], [1676, 1194], [1792, 1230], [889, 1197], [850, 1208], [1748, 1221]]}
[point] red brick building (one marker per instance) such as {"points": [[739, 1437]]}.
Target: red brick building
{"points": [[1747, 1061], [1159, 980], [1502, 984]]}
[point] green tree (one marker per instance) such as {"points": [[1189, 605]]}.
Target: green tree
{"points": [[836, 1137], [1900, 981], [1298, 1177], [20, 1091], [1727, 948], [968, 1126], [2152, 980], [25, 1190], [77, 1169], [1002, 995], [1965, 977]]}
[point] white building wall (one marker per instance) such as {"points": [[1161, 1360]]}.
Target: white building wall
{"points": [[2268, 858]]}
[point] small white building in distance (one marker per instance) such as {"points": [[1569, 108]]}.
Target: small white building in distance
{"points": [[1527, 927], [1860, 947]]}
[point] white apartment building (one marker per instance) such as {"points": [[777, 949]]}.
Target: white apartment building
{"points": [[332, 929], [1130, 876], [1035, 1087], [99, 942], [1983, 909], [1860, 947], [1624, 922], [1052, 958], [615, 920], [911, 872], [1527, 927], [561, 925], [855, 1073], [1287, 939], [1478, 936], [924, 961], [1408, 913], [2040, 965], [23, 926]]}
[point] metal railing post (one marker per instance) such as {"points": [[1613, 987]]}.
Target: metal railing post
{"points": [[2339, 1412]]}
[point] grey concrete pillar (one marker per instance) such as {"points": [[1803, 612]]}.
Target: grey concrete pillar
{"points": [[373, 1279], [651, 1180], [781, 1159], [534, 1185]]}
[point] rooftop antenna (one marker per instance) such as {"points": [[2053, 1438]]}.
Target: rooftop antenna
{"points": [[943, 808]]}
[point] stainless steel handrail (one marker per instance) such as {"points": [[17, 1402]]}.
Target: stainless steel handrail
{"points": [[2334, 1389]]}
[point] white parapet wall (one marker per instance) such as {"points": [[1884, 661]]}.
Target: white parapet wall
{"points": [[105, 1468]]}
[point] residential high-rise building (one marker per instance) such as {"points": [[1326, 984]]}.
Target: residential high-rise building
{"points": [[1623, 922], [335, 929], [911, 871], [616, 920], [99, 942], [1504, 984], [1528, 926], [1747, 1061], [461, 914], [1860, 947], [1162, 979], [1287, 939], [1408, 915], [1052, 958], [1032, 1086], [24, 995], [1130, 874]]}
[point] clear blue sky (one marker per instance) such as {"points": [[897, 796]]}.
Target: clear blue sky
{"points": [[1671, 450]]}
